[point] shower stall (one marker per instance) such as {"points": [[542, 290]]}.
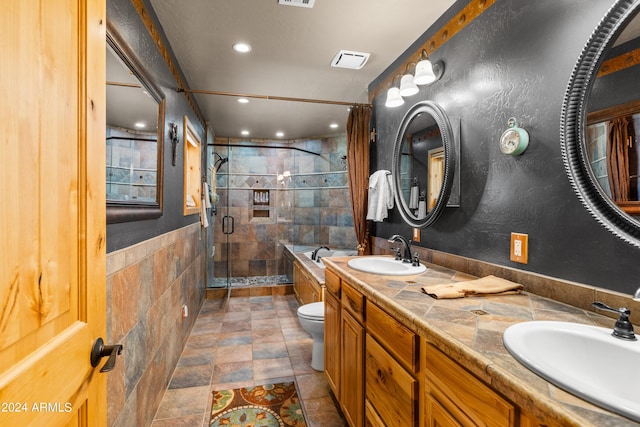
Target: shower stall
{"points": [[273, 196]]}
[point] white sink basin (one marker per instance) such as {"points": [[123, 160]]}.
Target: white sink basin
{"points": [[384, 265], [581, 359]]}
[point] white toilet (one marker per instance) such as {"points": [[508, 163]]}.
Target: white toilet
{"points": [[311, 318]]}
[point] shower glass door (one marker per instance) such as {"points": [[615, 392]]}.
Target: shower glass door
{"points": [[272, 198], [253, 214]]}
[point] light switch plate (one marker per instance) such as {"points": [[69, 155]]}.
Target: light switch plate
{"points": [[416, 235]]}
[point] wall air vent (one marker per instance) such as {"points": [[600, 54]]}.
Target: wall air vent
{"points": [[298, 3], [350, 59]]}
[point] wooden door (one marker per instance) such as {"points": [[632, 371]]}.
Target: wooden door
{"points": [[52, 192]]}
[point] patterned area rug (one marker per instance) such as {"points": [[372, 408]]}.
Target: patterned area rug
{"points": [[269, 405]]}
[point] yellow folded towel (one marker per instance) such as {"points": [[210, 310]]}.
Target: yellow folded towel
{"points": [[490, 285]]}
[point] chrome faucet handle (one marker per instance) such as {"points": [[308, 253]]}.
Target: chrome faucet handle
{"points": [[416, 260], [623, 329]]}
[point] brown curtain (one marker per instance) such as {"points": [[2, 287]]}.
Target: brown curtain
{"points": [[358, 171], [618, 159]]}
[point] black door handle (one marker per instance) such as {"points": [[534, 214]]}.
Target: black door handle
{"points": [[99, 350], [225, 220]]}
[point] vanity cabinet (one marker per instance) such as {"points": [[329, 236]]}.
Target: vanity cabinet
{"points": [[386, 370], [305, 287]]}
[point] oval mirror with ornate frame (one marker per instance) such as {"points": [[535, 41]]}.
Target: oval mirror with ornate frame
{"points": [[425, 161], [573, 131], [134, 137]]}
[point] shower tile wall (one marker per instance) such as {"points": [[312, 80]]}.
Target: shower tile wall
{"points": [[309, 202]]}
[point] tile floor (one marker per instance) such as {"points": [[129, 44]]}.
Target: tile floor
{"points": [[253, 340]]}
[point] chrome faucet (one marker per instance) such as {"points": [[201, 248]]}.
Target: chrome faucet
{"points": [[623, 329], [314, 254], [407, 246]]}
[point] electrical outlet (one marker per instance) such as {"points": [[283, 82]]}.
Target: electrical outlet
{"points": [[520, 248], [416, 235]]}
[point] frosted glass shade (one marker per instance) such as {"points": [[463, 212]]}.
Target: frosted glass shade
{"points": [[424, 73], [393, 98], [407, 86]]}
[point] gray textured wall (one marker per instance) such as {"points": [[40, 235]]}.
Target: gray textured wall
{"points": [[123, 17], [514, 60]]}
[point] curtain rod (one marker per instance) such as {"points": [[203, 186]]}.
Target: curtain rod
{"points": [[270, 97], [264, 146], [123, 84]]}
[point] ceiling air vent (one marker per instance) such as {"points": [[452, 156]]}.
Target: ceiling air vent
{"points": [[350, 59], [299, 3]]}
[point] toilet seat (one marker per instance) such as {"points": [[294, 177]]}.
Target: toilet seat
{"points": [[313, 311]]}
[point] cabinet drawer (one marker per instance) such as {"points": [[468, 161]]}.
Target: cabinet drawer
{"points": [[397, 338], [460, 392], [332, 282], [353, 302], [389, 388]]}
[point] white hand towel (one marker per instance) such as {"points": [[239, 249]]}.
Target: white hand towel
{"points": [[413, 198], [380, 195], [204, 221], [207, 199], [422, 209]]}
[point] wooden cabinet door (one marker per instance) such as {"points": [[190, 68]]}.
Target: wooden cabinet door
{"points": [[352, 372], [392, 391], [306, 290], [332, 342], [438, 416], [52, 250], [298, 283], [465, 397]]}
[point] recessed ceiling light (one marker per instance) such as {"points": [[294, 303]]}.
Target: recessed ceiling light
{"points": [[333, 125], [279, 134], [243, 100], [242, 47], [139, 125], [245, 132]]}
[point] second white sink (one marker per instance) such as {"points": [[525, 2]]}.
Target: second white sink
{"points": [[385, 266], [581, 359]]}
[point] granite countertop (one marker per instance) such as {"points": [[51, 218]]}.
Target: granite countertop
{"points": [[470, 331]]}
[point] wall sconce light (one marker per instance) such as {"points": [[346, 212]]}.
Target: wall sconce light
{"points": [[426, 73], [173, 137], [514, 140], [394, 99], [407, 84]]}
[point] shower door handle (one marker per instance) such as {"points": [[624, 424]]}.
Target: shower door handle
{"points": [[225, 221]]}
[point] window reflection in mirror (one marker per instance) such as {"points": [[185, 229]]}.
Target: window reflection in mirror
{"points": [[134, 135], [613, 121]]}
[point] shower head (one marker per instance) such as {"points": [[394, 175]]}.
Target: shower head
{"points": [[221, 161]]}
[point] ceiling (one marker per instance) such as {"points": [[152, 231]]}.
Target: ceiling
{"points": [[292, 49]]}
